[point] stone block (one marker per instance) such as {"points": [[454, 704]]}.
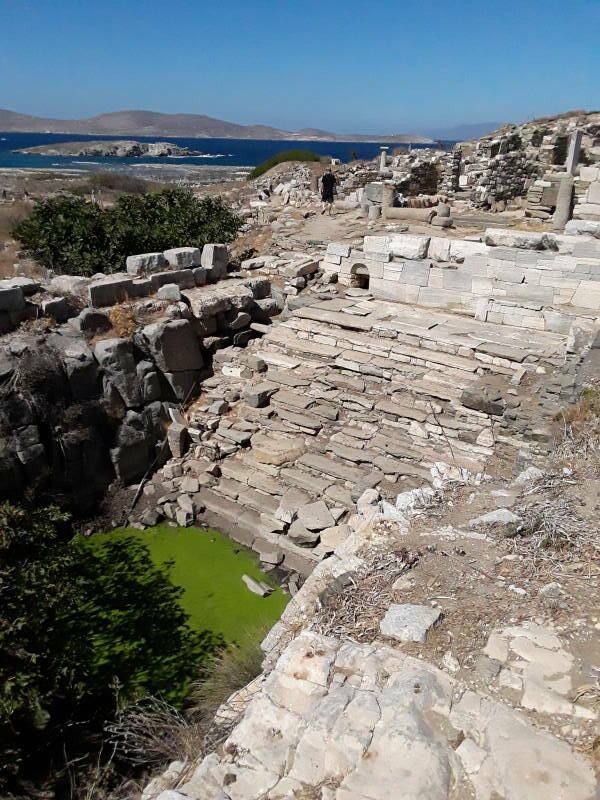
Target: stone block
{"points": [[415, 273], [439, 248], [110, 291], [593, 193], [58, 308], [587, 295], [215, 258], [145, 262], [182, 257], [406, 246], [184, 278], [456, 279], [460, 249], [439, 298], [173, 345], [338, 249], [12, 299], [200, 276], [69, 284], [501, 237], [589, 173]]}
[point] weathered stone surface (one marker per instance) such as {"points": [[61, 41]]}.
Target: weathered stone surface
{"points": [[145, 262], [409, 622], [182, 257], [115, 356], [173, 345], [215, 258], [316, 516]]}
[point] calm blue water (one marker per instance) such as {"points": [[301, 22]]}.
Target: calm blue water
{"points": [[228, 152]]}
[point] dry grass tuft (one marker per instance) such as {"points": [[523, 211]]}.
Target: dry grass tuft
{"points": [[579, 437], [123, 319]]}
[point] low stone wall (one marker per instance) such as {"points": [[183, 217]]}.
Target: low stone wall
{"points": [[529, 280]]}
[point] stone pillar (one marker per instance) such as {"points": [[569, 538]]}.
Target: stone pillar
{"points": [[383, 159], [314, 183], [374, 213], [387, 197], [573, 152], [564, 201]]}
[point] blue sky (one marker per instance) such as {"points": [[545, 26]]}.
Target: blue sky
{"points": [[354, 66]]}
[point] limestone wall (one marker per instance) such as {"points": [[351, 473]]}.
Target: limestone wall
{"points": [[526, 280]]}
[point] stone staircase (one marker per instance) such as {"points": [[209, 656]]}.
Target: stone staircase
{"points": [[355, 394]]}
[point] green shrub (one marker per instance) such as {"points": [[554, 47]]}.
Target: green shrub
{"points": [[84, 630], [74, 237], [279, 158]]}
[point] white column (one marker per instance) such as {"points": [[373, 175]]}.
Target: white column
{"points": [[383, 159], [573, 152]]}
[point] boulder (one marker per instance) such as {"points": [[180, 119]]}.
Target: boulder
{"points": [[115, 356], [93, 321], [173, 345], [12, 298]]}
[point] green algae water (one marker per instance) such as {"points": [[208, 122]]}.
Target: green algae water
{"points": [[209, 568]]}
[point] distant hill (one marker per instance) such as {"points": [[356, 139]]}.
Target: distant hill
{"points": [[461, 133], [153, 123]]}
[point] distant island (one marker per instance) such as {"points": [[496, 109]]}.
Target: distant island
{"points": [[152, 123], [121, 149]]}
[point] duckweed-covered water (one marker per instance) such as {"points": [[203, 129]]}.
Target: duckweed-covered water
{"points": [[209, 568]]}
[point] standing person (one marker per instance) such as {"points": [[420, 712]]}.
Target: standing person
{"points": [[327, 190]]}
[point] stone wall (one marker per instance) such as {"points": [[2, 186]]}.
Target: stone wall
{"points": [[84, 403], [522, 279]]}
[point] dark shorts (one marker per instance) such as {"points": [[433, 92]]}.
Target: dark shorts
{"points": [[327, 197]]}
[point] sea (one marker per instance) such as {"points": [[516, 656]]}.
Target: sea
{"points": [[215, 152]]}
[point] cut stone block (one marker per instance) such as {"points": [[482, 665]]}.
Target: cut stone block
{"points": [[145, 262], [182, 257]]}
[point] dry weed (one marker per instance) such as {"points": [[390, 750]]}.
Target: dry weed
{"points": [[355, 611], [152, 733], [123, 319]]}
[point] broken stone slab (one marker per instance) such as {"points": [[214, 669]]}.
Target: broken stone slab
{"points": [[291, 500], [261, 589], [301, 535], [110, 290], [316, 516], [409, 622]]}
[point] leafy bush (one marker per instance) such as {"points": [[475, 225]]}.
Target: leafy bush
{"points": [[84, 631], [279, 158], [74, 237]]}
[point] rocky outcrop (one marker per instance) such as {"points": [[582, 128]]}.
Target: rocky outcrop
{"points": [[119, 149], [91, 399]]}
